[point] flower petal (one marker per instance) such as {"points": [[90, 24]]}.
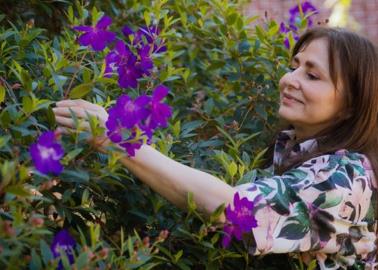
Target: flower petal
{"points": [[104, 22], [160, 92]]}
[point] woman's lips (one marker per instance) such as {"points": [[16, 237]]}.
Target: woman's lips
{"points": [[289, 98]]}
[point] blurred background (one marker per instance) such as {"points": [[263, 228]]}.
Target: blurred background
{"points": [[359, 15]]}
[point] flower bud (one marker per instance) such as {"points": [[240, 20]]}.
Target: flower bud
{"points": [[146, 241], [8, 228], [37, 222], [103, 253]]}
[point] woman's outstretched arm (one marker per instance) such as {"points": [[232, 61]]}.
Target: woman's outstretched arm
{"points": [[169, 178], [174, 180]]}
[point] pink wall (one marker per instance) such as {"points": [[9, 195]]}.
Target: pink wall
{"points": [[365, 12]]}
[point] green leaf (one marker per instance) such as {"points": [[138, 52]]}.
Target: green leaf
{"points": [[82, 260], [81, 90], [28, 104], [18, 190], [47, 255], [231, 19], [4, 140], [35, 263], [26, 80], [312, 265], [71, 155], [217, 213], [176, 128], [232, 169], [258, 158], [2, 93], [147, 18], [178, 255], [77, 176], [191, 203]]}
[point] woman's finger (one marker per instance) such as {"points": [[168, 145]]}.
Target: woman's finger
{"points": [[64, 130], [70, 123], [78, 111], [77, 103]]}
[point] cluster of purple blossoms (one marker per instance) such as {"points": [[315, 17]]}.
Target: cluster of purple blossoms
{"points": [[145, 36], [131, 66], [130, 122], [238, 221], [46, 154], [63, 242], [308, 10], [131, 60], [144, 114]]}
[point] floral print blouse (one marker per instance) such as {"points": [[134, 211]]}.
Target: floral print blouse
{"points": [[323, 209]]}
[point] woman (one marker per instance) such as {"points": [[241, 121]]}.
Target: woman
{"points": [[321, 200]]}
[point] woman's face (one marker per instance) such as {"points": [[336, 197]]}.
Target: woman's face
{"points": [[308, 98]]}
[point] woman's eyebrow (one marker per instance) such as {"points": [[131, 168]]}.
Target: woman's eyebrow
{"points": [[311, 64]]}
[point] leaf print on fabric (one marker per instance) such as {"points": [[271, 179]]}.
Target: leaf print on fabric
{"points": [[277, 197], [297, 225], [293, 231], [350, 171], [331, 200], [296, 178], [340, 179], [332, 162], [336, 179], [322, 225], [345, 242], [319, 200]]}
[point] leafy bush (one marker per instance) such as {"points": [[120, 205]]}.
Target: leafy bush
{"points": [[223, 78]]}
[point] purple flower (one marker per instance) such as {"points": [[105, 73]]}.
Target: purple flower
{"points": [[144, 114], [132, 111], [63, 242], [307, 8], [160, 112], [146, 36], [131, 145], [98, 36], [124, 117], [151, 34], [113, 125], [47, 153], [124, 61], [145, 63], [240, 220], [283, 28], [295, 19]]}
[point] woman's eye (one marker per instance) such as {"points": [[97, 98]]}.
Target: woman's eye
{"points": [[312, 77], [292, 68]]}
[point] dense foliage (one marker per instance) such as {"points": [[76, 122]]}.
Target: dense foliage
{"points": [[223, 78]]}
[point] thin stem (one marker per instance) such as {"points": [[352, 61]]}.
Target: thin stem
{"points": [[74, 76]]}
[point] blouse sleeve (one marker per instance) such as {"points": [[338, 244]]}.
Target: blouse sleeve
{"points": [[320, 206]]}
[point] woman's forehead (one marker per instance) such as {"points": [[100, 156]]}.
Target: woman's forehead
{"points": [[314, 54]]}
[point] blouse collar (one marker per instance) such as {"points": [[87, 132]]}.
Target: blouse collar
{"points": [[286, 147]]}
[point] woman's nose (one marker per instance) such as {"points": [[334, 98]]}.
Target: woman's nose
{"points": [[291, 79]]}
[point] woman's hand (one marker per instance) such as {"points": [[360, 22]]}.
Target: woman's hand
{"points": [[83, 110]]}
